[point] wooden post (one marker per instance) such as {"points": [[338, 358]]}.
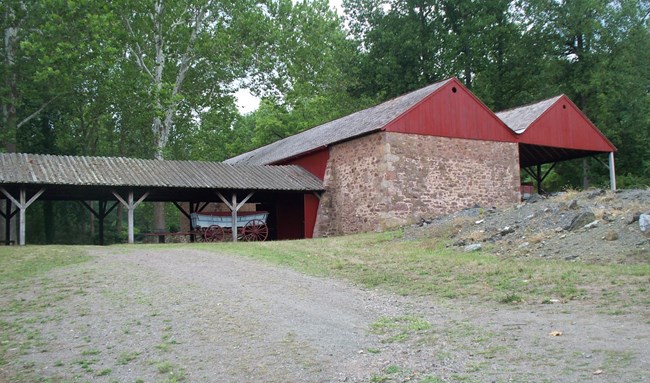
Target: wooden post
{"points": [[100, 214], [22, 205], [130, 205], [233, 215], [234, 208], [612, 172], [21, 217]]}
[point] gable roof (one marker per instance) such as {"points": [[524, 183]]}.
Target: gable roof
{"points": [[520, 118], [20, 168], [354, 125], [556, 122], [554, 130]]}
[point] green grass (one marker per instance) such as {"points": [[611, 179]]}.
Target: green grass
{"points": [[21, 262], [127, 357], [426, 267], [399, 329]]}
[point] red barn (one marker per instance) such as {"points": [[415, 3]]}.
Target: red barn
{"points": [[430, 152], [427, 153]]}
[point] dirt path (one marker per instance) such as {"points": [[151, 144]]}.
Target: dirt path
{"points": [[173, 315]]}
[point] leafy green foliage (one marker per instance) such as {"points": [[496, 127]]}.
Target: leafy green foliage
{"points": [[81, 77]]}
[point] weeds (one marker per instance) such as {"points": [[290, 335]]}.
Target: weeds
{"points": [[427, 267], [399, 329], [127, 357]]}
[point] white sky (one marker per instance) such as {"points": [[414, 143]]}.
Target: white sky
{"points": [[247, 102]]}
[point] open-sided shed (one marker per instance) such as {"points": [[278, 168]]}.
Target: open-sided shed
{"points": [[24, 178], [555, 130]]}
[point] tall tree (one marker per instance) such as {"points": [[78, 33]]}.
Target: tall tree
{"points": [[189, 52], [307, 75]]}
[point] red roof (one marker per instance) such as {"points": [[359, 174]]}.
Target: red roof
{"points": [[452, 111], [558, 123]]}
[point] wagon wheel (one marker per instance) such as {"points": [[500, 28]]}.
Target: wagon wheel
{"points": [[198, 235], [255, 230], [214, 233], [218, 233]]}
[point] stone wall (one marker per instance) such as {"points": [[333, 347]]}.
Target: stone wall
{"points": [[388, 179], [354, 195], [432, 176]]}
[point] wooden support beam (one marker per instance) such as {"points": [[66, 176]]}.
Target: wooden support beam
{"points": [[130, 205], [180, 208], [530, 173], [234, 208], [548, 171], [202, 207], [233, 215], [22, 203], [102, 212], [612, 172]]}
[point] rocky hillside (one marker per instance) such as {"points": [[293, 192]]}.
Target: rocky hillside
{"points": [[594, 226]]}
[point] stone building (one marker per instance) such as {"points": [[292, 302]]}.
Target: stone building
{"points": [[424, 154], [428, 153]]}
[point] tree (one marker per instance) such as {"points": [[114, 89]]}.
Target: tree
{"points": [[306, 77], [188, 53]]}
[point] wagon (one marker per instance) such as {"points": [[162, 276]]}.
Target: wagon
{"points": [[217, 226]]}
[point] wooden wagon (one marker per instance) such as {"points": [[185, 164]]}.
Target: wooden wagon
{"points": [[217, 226]]}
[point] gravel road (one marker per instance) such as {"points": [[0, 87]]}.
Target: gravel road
{"points": [[145, 314]]}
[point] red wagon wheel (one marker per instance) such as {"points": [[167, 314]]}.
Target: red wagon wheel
{"points": [[255, 230], [213, 233]]}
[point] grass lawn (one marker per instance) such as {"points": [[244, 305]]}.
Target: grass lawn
{"points": [[20, 262], [425, 267], [420, 267]]}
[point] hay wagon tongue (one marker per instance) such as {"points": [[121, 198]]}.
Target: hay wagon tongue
{"points": [[211, 227]]}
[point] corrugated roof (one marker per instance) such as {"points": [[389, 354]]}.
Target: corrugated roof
{"points": [[353, 125], [520, 118], [20, 168]]}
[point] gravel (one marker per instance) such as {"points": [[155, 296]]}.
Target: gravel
{"points": [[594, 226], [155, 315]]}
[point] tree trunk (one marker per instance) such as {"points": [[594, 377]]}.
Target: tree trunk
{"points": [[9, 116]]}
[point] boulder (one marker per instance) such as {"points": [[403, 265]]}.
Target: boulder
{"points": [[611, 236], [473, 247], [506, 230], [633, 218], [644, 223], [581, 220]]}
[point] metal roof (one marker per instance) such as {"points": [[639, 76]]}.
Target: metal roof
{"points": [[353, 125], [20, 168], [554, 130], [520, 118]]}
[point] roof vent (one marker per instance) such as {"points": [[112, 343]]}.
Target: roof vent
{"points": [[563, 106], [453, 89]]}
